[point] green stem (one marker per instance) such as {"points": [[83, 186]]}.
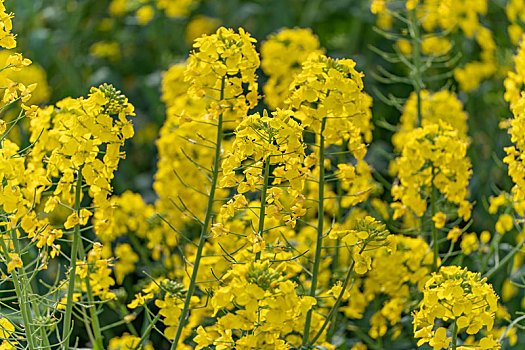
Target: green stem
{"points": [[455, 335], [95, 322], [147, 332], [492, 250], [505, 260], [204, 231], [339, 216], [262, 209], [28, 285], [24, 307], [416, 57], [73, 265], [435, 242], [320, 228], [339, 212], [334, 308]]}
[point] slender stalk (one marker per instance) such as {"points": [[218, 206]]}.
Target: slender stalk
{"points": [[262, 210], [334, 308], [27, 285], [455, 335], [95, 322], [320, 229], [339, 216], [339, 212], [492, 250], [147, 332], [204, 231], [417, 81], [24, 306], [435, 242], [505, 260], [73, 265]]}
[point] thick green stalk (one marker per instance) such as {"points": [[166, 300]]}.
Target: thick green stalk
{"points": [[204, 231], [262, 210], [417, 81], [435, 243], [320, 229], [73, 265], [455, 335], [24, 306]]}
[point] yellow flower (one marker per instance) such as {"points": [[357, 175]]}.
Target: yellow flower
{"points": [[439, 219], [145, 14], [455, 294], [15, 262], [282, 56], [505, 223]]}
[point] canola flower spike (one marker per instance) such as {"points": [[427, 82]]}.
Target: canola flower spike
{"points": [[265, 142], [328, 99], [79, 140], [183, 152], [434, 155], [435, 107], [72, 134], [104, 115], [282, 55], [459, 297], [514, 159], [262, 302], [221, 68], [224, 58], [516, 77], [332, 90]]}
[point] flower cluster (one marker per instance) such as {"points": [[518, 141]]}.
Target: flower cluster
{"points": [[439, 106], [95, 271], [332, 90], [516, 77], [514, 158], [262, 143], [257, 306], [282, 56], [433, 156], [219, 68], [367, 235], [458, 296]]}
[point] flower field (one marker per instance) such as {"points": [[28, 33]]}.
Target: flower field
{"points": [[262, 174]]}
